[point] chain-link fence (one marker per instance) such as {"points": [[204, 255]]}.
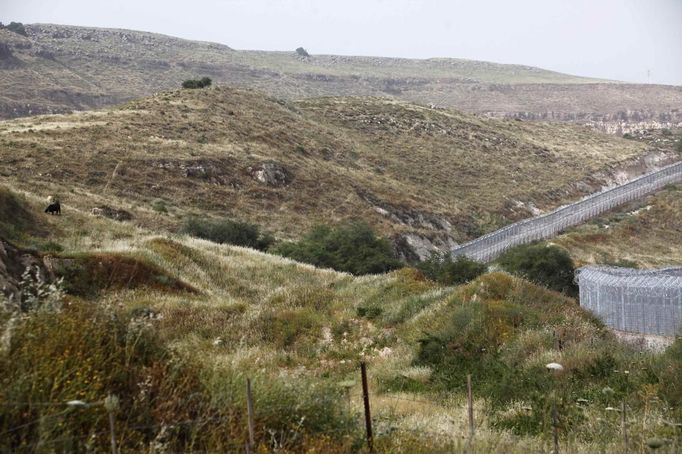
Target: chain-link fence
{"points": [[489, 246], [640, 301]]}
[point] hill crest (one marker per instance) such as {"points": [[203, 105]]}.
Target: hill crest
{"points": [[63, 68]]}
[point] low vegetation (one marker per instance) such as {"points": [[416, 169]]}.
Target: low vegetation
{"points": [[642, 234], [228, 232], [18, 221], [197, 83], [352, 248], [504, 331], [177, 358], [546, 265], [402, 168], [15, 27], [446, 270]]}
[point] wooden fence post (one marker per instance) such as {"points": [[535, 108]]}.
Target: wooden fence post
{"points": [[555, 426], [111, 404], [625, 428], [368, 417], [470, 404], [249, 409]]}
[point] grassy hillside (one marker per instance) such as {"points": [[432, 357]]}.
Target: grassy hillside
{"points": [[178, 359], [437, 175], [644, 234], [58, 68]]}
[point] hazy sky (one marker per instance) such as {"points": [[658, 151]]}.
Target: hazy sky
{"points": [[613, 39]]}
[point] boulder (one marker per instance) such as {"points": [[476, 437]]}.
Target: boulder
{"points": [[13, 263], [270, 173], [111, 213]]}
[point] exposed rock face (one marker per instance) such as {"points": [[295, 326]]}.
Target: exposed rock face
{"points": [[216, 171], [406, 216], [13, 263], [111, 213], [413, 247], [270, 173]]}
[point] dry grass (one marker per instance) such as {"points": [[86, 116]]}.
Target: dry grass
{"points": [[401, 167], [296, 329], [644, 234]]}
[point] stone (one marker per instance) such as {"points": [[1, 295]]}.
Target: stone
{"points": [[111, 213], [270, 173]]}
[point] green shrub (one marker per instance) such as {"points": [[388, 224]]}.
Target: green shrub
{"points": [[16, 27], [302, 52], [446, 270], [230, 232], [197, 83], [545, 265], [353, 248], [284, 328], [669, 372], [89, 350], [160, 206], [86, 352]]}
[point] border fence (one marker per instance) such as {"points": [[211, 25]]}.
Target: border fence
{"points": [[489, 246], [641, 301]]}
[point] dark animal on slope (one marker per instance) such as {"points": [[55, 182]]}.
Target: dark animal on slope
{"points": [[54, 208]]}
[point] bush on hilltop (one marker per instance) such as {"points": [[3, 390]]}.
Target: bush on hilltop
{"points": [[197, 83]]}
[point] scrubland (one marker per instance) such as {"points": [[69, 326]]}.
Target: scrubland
{"points": [[174, 325]]}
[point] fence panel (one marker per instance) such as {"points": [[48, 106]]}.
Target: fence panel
{"points": [[640, 301], [489, 246]]}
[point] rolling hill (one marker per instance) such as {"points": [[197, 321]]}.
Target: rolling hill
{"points": [[174, 325], [57, 68], [644, 234], [427, 178]]}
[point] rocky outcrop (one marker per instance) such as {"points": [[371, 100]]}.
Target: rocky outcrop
{"points": [[111, 213], [270, 173], [415, 247], [14, 262], [405, 215], [215, 171], [622, 122]]}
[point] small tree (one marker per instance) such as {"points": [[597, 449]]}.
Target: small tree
{"points": [[302, 52], [549, 266], [446, 270], [17, 27], [197, 83], [353, 248], [230, 232]]}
